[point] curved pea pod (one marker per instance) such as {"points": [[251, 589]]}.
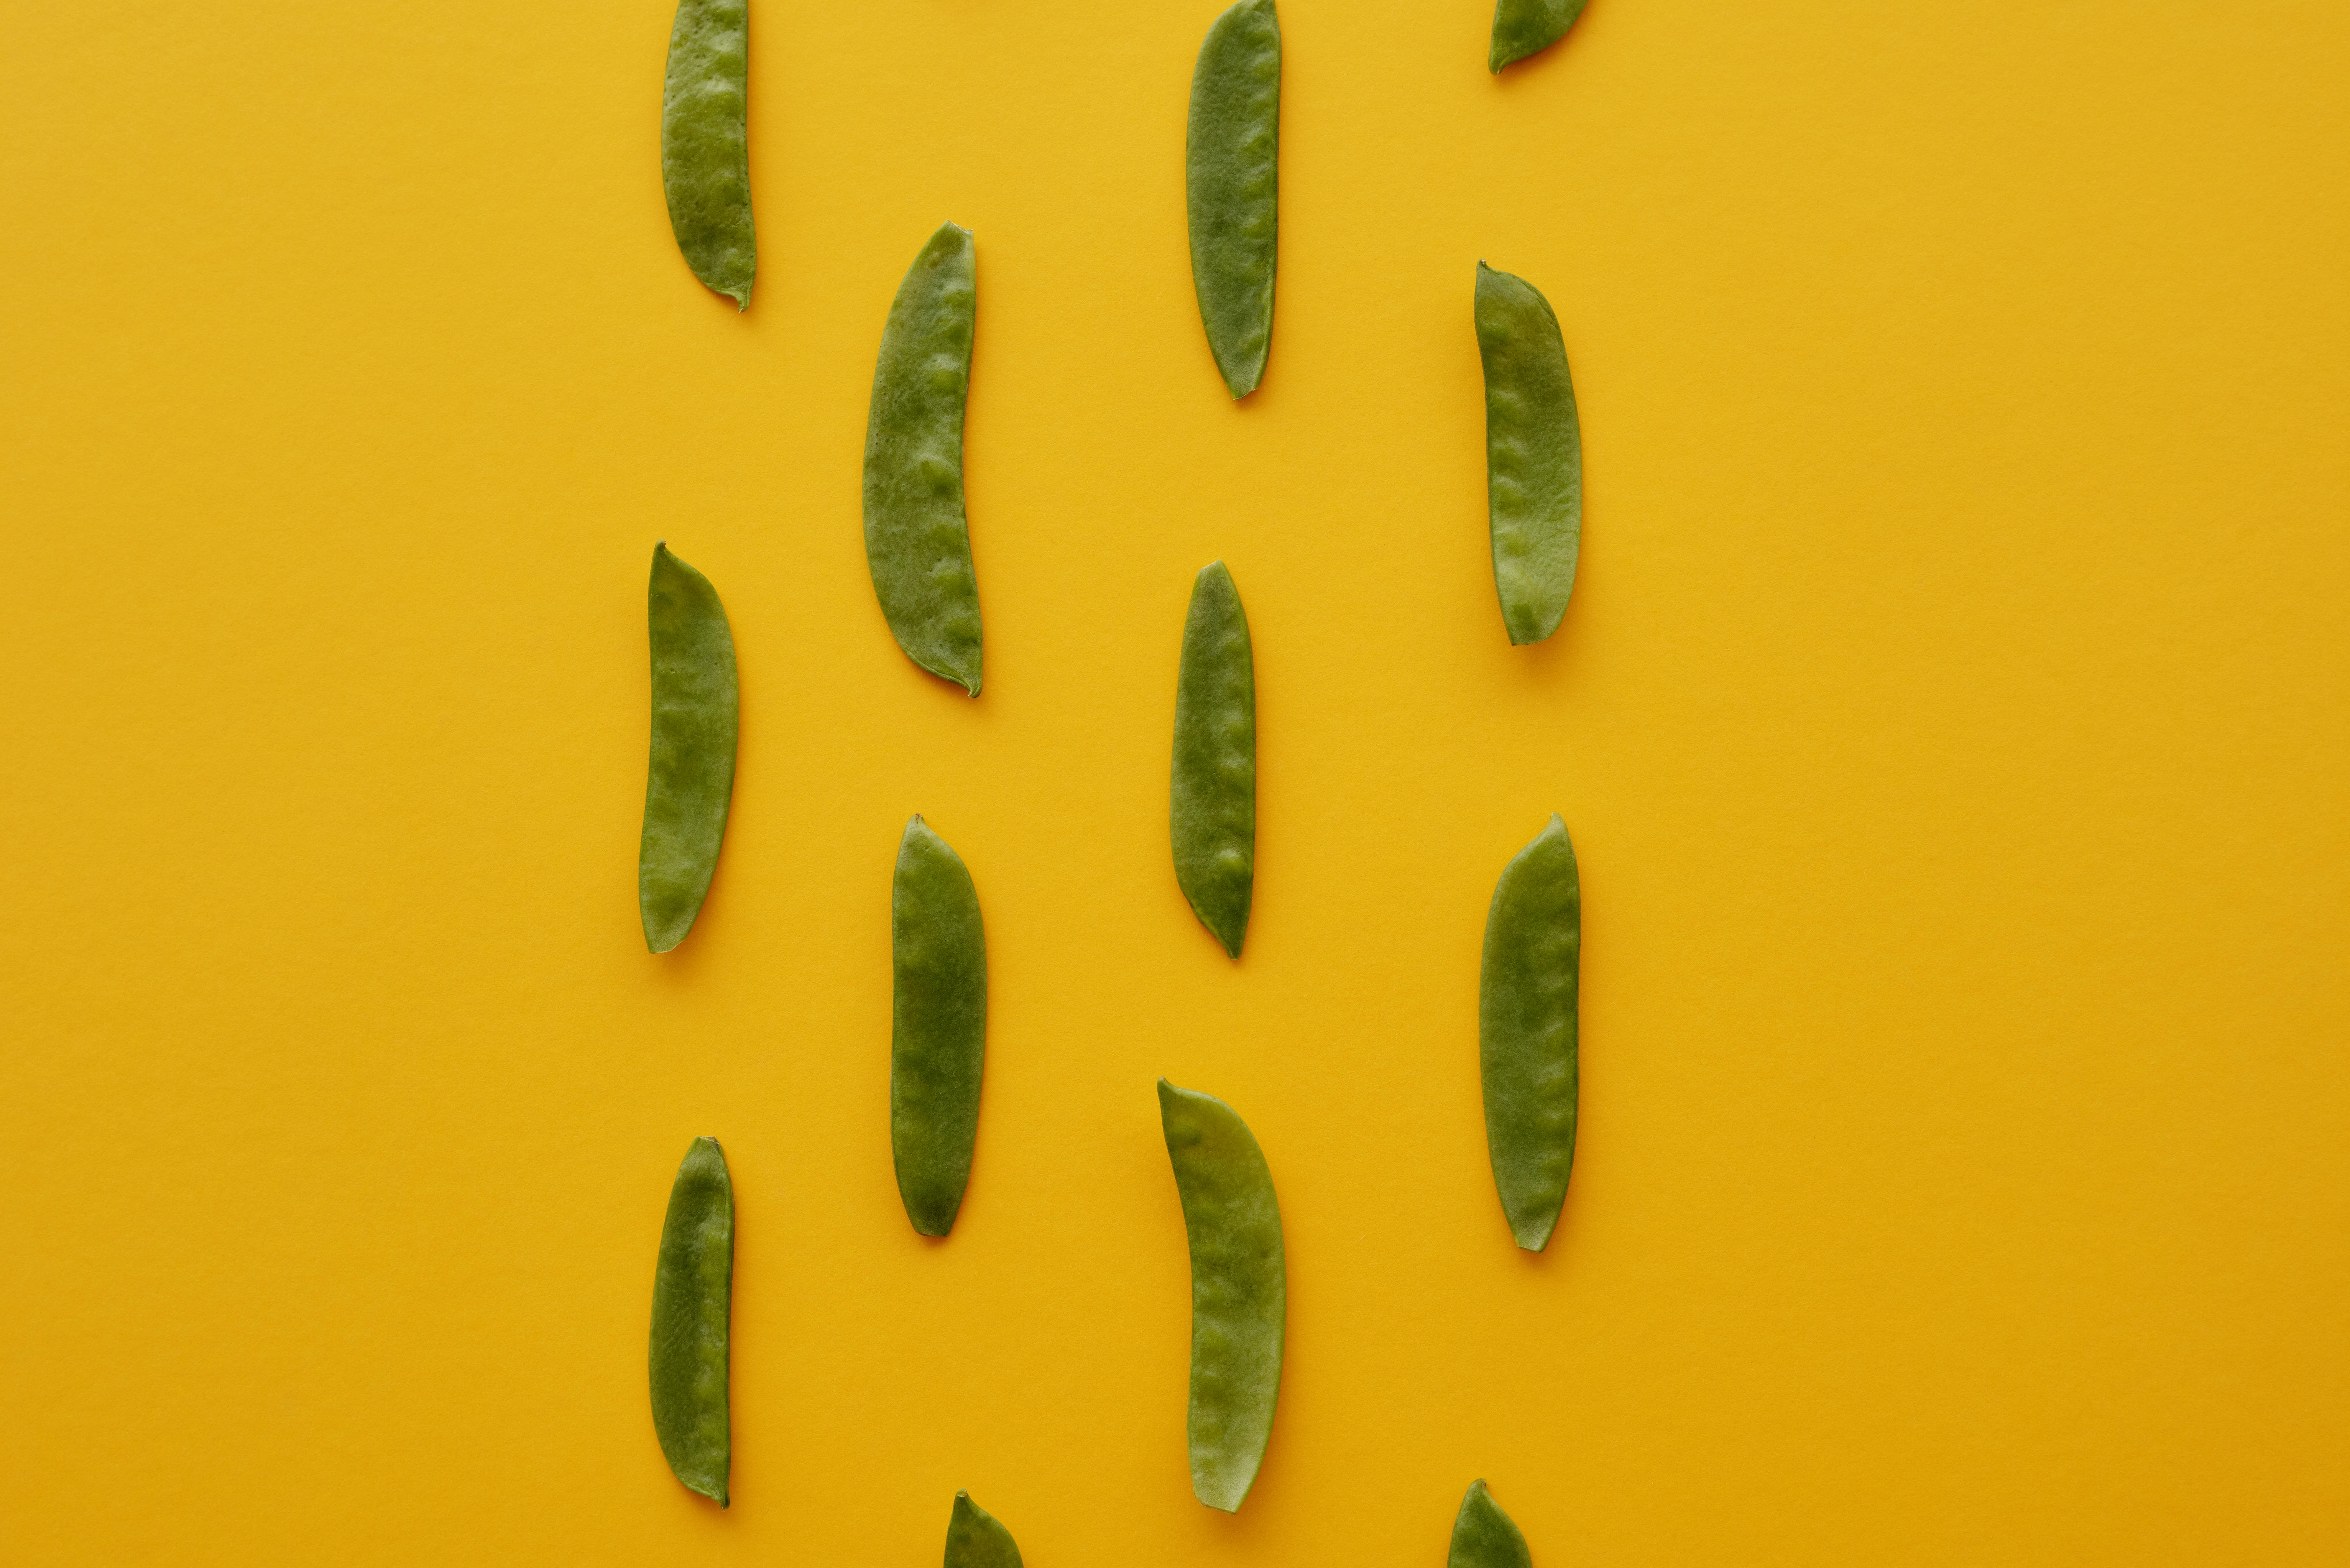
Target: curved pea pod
{"points": [[1212, 807], [1240, 1289], [694, 1291], [706, 143], [917, 542], [1485, 1537], [1526, 1032], [976, 1539], [1534, 455], [937, 1041], [1233, 169], [689, 776], [1522, 27]]}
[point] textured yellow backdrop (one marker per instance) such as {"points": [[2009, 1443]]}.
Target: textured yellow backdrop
{"points": [[1950, 716]]}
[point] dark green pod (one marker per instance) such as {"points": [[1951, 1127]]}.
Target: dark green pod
{"points": [[1526, 1032], [938, 1040], [1485, 1537], [1240, 1291], [1232, 173], [1522, 27], [1534, 455], [694, 1292], [976, 1539], [690, 776], [917, 541], [1211, 805], [706, 143]]}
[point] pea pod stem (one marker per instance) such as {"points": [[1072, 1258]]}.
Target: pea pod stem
{"points": [[706, 144], [1231, 181], [1526, 1032], [694, 1290], [690, 770], [1211, 799], [1534, 455], [938, 1042]]}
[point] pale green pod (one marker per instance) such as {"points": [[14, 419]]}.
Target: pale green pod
{"points": [[938, 1037], [1485, 1537], [1534, 455], [1526, 1032], [1522, 27], [1212, 807], [1240, 1291], [689, 773], [917, 541], [706, 143], [1232, 175], [976, 1538], [693, 1293]]}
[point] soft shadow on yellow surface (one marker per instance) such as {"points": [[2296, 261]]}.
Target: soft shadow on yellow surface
{"points": [[1949, 719]]}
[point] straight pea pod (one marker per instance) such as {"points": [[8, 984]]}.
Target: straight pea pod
{"points": [[1212, 799], [1231, 184], [1522, 27], [976, 1539], [937, 1041], [1485, 1537], [1526, 1032], [706, 143], [1240, 1291], [694, 1292], [917, 540], [689, 776], [1534, 455]]}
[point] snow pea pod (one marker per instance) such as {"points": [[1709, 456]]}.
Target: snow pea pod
{"points": [[975, 1539], [1239, 1290], [1485, 1537], [1526, 1032], [938, 1043], [917, 542], [1212, 801], [1534, 455], [1522, 27], [694, 1291], [690, 776], [706, 143], [1232, 173]]}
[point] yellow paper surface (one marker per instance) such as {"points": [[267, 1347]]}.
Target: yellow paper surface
{"points": [[1950, 717]]}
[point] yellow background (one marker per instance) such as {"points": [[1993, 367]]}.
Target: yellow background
{"points": [[1950, 717]]}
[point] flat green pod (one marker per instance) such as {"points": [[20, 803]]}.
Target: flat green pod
{"points": [[938, 1037], [1240, 1291], [1212, 807], [1485, 1537], [975, 1539], [1534, 455], [1522, 27], [917, 542], [1232, 175], [706, 143], [693, 1295], [1526, 1032], [690, 774]]}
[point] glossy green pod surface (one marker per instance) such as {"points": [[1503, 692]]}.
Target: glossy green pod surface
{"points": [[1232, 169], [917, 542], [976, 1539], [690, 775], [706, 143], [1212, 807], [1522, 27], [1485, 1537], [938, 1038], [1240, 1289], [1526, 1032], [694, 1291], [1534, 455]]}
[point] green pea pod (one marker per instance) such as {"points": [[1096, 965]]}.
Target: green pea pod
{"points": [[694, 1291], [1522, 27], [1240, 1289], [1232, 175], [689, 778], [1213, 802], [917, 542], [1485, 1537], [1534, 455], [975, 1539], [938, 1043], [1526, 1032], [706, 143]]}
